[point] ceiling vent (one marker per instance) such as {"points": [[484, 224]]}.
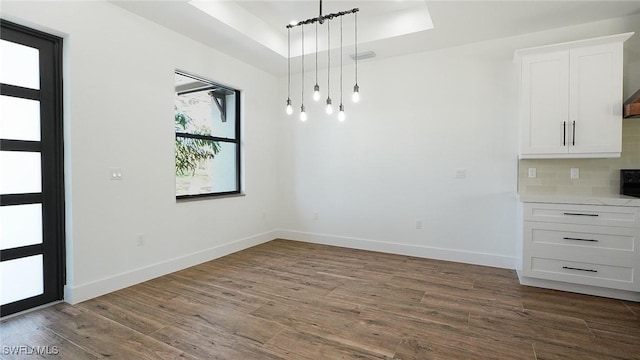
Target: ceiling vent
{"points": [[363, 55]]}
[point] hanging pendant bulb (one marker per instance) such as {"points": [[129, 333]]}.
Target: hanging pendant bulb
{"points": [[289, 107], [341, 115], [356, 93], [329, 108], [341, 112], [316, 87], [356, 89], [303, 114]]}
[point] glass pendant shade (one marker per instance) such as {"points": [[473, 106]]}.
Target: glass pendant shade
{"points": [[356, 93], [303, 114], [329, 107], [289, 107], [341, 115]]}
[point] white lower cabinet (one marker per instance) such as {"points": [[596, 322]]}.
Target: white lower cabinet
{"points": [[582, 244]]}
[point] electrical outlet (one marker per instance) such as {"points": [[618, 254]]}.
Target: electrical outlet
{"points": [[140, 240], [115, 173], [575, 173], [315, 216], [418, 224], [533, 172], [461, 173]]}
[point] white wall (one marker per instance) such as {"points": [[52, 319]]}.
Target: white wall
{"points": [[394, 160], [422, 116], [119, 88]]}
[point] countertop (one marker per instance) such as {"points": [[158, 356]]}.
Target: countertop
{"points": [[612, 200]]}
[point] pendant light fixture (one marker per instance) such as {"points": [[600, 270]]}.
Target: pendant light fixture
{"points": [[356, 89], [341, 109], [289, 107], [316, 88], [303, 114], [329, 108]]}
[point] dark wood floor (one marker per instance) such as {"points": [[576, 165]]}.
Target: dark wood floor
{"points": [[292, 300]]}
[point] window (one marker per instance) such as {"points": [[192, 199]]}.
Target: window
{"points": [[207, 125]]}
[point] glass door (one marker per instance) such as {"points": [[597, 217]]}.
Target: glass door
{"points": [[31, 169]]}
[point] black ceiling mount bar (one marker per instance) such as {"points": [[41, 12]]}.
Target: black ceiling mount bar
{"points": [[321, 18]]}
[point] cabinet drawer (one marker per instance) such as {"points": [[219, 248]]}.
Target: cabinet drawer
{"points": [[583, 214], [582, 238], [619, 277]]}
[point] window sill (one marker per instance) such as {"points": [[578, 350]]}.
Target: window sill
{"points": [[189, 198]]}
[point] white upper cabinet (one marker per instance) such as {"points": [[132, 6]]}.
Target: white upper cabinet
{"points": [[571, 99], [544, 107]]}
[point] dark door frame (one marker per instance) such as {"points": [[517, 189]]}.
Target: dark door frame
{"points": [[51, 147]]}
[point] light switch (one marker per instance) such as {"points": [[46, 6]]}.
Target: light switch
{"points": [[115, 173], [533, 172], [575, 173], [461, 173]]}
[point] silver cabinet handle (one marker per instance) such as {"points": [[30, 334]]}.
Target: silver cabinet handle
{"points": [[573, 268]]}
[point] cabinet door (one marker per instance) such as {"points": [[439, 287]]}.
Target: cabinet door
{"points": [[595, 99], [544, 104]]}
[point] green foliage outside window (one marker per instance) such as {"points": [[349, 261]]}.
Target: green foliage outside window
{"points": [[191, 152]]}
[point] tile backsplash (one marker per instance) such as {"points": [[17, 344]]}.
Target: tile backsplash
{"points": [[598, 177]]}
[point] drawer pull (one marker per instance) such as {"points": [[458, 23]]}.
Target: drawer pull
{"points": [[580, 214], [578, 239], [572, 268]]}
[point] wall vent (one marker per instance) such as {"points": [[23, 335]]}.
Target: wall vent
{"points": [[363, 55]]}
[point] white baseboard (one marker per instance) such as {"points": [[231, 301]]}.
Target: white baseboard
{"points": [[468, 257], [76, 294], [579, 288]]}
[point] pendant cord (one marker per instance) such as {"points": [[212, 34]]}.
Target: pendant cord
{"points": [[317, 53], [356, 38], [289, 63], [328, 58], [340, 60], [302, 100]]}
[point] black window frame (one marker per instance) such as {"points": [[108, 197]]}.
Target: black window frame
{"points": [[237, 140]]}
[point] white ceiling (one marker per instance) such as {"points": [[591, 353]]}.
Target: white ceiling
{"points": [[255, 31]]}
